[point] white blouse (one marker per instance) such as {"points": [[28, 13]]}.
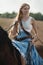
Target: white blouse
{"points": [[27, 25]]}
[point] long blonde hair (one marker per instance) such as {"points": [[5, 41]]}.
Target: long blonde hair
{"points": [[20, 16]]}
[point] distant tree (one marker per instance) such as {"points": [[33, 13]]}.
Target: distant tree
{"points": [[37, 16], [13, 14], [8, 15]]}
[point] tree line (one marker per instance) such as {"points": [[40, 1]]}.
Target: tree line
{"points": [[37, 16], [8, 15]]}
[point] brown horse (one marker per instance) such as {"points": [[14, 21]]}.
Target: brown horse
{"points": [[9, 55]]}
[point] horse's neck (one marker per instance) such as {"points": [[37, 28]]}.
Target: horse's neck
{"points": [[7, 56]]}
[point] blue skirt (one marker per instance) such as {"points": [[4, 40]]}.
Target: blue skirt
{"points": [[27, 50]]}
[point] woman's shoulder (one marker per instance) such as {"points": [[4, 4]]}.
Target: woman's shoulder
{"points": [[32, 18]]}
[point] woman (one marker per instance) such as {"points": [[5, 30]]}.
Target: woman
{"points": [[23, 40]]}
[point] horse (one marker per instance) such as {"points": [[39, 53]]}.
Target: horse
{"points": [[9, 55]]}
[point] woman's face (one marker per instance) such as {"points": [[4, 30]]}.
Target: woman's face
{"points": [[25, 10]]}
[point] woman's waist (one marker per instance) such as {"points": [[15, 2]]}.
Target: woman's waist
{"points": [[23, 38]]}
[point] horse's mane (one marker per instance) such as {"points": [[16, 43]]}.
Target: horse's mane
{"points": [[8, 53], [4, 39]]}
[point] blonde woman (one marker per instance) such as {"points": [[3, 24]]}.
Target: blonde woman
{"points": [[23, 40]]}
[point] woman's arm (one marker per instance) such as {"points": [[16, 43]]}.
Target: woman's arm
{"points": [[35, 30], [34, 26]]}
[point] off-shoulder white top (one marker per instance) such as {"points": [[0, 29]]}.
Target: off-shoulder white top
{"points": [[26, 24]]}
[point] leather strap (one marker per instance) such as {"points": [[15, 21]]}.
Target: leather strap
{"points": [[25, 30], [23, 38]]}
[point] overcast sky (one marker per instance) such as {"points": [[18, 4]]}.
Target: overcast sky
{"points": [[14, 5]]}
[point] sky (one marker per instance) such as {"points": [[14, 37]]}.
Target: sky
{"points": [[14, 5]]}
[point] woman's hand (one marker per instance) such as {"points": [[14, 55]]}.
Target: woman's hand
{"points": [[35, 38]]}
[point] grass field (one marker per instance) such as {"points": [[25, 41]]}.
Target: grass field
{"points": [[5, 23]]}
